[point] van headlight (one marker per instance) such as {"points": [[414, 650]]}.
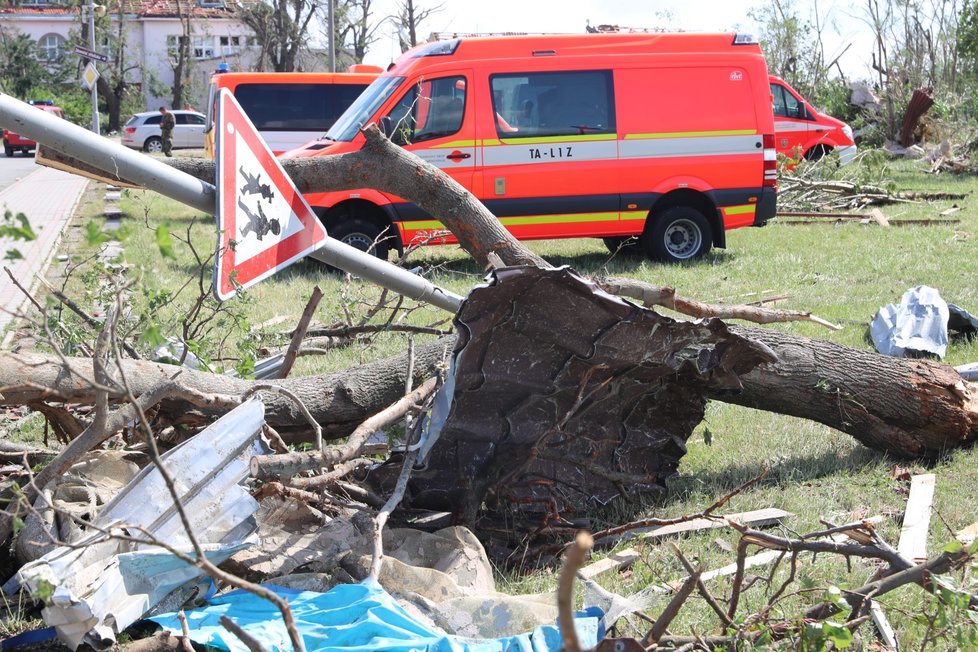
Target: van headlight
{"points": [[847, 130]]}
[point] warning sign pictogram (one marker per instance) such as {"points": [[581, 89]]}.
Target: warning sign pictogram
{"points": [[263, 223]]}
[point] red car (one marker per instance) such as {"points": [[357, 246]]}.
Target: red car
{"points": [[13, 142]]}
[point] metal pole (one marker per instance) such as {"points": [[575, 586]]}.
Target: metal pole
{"points": [[104, 154], [331, 37], [91, 43]]}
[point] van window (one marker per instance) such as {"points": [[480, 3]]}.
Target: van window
{"points": [[553, 103], [295, 107], [432, 108], [787, 105], [363, 108]]}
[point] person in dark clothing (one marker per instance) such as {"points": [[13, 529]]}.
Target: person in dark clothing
{"points": [[167, 123]]}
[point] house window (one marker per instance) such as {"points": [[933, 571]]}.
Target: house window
{"points": [[202, 47], [230, 45], [51, 46]]}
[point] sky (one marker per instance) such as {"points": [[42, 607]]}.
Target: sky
{"points": [[843, 21]]}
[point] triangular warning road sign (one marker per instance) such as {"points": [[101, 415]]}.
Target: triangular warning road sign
{"points": [[263, 223]]}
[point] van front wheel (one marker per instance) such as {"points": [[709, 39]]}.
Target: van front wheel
{"points": [[362, 235], [679, 233]]}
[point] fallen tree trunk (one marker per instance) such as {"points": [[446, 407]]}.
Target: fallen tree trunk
{"points": [[904, 407], [338, 401]]}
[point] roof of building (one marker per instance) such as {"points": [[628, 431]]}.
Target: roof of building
{"points": [[138, 8]]}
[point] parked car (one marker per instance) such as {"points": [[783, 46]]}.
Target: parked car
{"points": [[13, 142], [143, 131]]}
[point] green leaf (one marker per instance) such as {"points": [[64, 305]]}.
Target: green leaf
{"points": [[94, 235], [152, 336], [13, 254], [164, 241], [17, 525], [953, 547], [840, 636]]}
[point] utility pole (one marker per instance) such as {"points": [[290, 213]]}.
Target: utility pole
{"points": [[91, 43], [331, 37]]}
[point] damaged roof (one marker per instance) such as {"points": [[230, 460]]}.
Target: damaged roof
{"points": [[139, 8]]}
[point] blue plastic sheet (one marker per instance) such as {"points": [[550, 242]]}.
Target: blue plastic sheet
{"points": [[351, 617]]}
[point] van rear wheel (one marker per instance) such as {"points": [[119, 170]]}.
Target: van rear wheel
{"points": [[679, 233]]}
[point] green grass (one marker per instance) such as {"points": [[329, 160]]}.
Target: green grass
{"points": [[842, 273]]}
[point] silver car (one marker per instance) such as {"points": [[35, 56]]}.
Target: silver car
{"points": [[143, 131]]}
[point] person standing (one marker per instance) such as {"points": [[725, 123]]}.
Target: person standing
{"points": [[167, 123]]}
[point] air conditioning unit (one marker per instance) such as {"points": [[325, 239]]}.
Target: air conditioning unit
{"points": [[211, 4]]}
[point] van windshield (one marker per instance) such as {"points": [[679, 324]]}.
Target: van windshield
{"points": [[348, 125]]}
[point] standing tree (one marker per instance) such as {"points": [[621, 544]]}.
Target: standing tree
{"points": [[410, 16], [354, 31], [182, 62], [19, 61], [281, 27], [115, 84]]}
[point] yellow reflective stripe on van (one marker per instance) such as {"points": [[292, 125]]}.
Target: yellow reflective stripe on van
{"points": [[455, 143], [691, 134], [634, 215], [525, 220], [571, 138], [739, 210]]}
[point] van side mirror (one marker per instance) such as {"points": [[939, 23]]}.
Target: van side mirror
{"points": [[385, 126]]}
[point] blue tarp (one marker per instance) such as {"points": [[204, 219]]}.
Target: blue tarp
{"points": [[351, 617]]}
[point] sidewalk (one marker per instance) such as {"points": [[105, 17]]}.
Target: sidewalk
{"points": [[48, 198]]}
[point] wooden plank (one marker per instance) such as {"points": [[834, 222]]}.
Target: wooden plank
{"points": [[616, 562], [756, 518], [916, 518], [877, 216], [887, 635]]}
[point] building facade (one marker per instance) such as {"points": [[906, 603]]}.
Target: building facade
{"points": [[150, 30]]}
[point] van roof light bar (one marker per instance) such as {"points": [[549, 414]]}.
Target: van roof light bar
{"points": [[745, 39], [438, 49]]}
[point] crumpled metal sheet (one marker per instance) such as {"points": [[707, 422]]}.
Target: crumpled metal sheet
{"points": [[564, 392], [99, 586], [919, 325]]}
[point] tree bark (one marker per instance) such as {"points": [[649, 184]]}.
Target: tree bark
{"points": [[338, 401], [905, 407]]}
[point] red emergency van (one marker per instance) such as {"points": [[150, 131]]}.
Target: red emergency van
{"points": [[804, 133], [659, 141], [289, 108]]}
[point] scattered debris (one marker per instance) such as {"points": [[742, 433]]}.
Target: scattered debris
{"points": [[919, 325], [920, 102], [614, 562], [916, 519], [99, 585], [755, 518]]}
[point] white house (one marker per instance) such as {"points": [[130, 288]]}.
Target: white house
{"points": [[151, 31]]}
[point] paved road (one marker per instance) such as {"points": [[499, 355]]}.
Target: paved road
{"points": [[48, 198], [15, 168]]}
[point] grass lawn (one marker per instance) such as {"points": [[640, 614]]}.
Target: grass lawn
{"points": [[841, 272]]}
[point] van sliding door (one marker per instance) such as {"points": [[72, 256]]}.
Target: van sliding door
{"points": [[550, 171]]}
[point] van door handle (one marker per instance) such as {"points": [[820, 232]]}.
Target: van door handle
{"points": [[458, 156]]}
